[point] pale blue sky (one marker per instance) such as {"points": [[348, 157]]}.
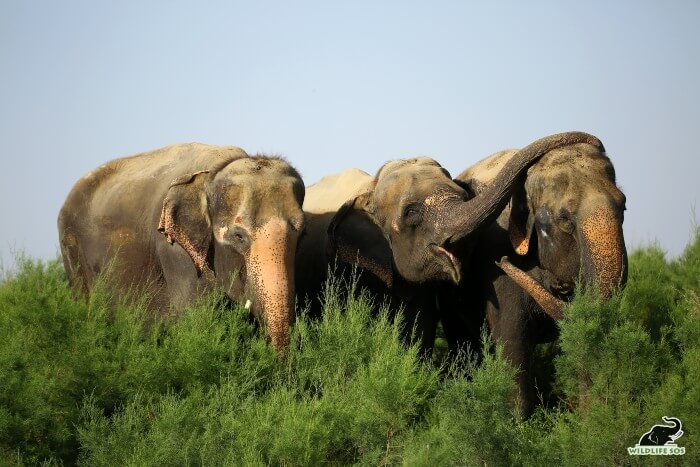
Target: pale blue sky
{"points": [[332, 85]]}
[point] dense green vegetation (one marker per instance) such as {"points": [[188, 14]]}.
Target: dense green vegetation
{"points": [[84, 382]]}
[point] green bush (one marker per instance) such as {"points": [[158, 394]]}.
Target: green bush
{"points": [[100, 383], [626, 363]]}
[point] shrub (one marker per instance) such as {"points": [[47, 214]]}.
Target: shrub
{"points": [[97, 382]]}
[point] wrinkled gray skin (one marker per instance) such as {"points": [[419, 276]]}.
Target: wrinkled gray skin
{"points": [[180, 221], [563, 223], [399, 227]]}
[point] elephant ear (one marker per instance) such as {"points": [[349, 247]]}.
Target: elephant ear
{"points": [[185, 219], [355, 238], [520, 221]]}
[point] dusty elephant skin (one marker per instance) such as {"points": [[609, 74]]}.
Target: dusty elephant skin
{"points": [[401, 226], [179, 221], [564, 222]]}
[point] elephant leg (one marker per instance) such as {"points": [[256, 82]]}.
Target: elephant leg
{"points": [[518, 350], [527, 395], [462, 324], [420, 322], [509, 326]]}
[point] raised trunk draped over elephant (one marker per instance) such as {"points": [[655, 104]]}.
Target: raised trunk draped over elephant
{"points": [[564, 222], [186, 218], [400, 226]]}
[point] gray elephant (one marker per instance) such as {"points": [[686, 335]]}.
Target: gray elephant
{"points": [[399, 227], [564, 222], [179, 221]]}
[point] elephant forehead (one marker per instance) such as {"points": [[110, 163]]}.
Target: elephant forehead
{"points": [[574, 181], [278, 192], [260, 166], [259, 181], [251, 201], [400, 167], [421, 179], [267, 175], [577, 158], [553, 182]]}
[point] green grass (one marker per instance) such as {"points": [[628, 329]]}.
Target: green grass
{"points": [[87, 382]]}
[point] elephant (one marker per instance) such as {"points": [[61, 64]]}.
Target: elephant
{"points": [[185, 219], [563, 222], [660, 435], [399, 227]]}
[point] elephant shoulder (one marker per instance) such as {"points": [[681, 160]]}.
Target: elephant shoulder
{"points": [[329, 193]]}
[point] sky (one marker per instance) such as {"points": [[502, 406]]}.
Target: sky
{"points": [[334, 85]]}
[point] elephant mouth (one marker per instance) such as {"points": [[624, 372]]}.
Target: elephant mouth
{"points": [[563, 290], [449, 261], [566, 296]]}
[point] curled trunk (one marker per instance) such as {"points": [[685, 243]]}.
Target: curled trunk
{"points": [[482, 210], [676, 423]]}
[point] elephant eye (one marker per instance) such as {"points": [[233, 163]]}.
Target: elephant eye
{"points": [[565, 223], [567, 226], [413, 214]]}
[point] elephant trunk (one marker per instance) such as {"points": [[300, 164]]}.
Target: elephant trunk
{"points": [[549, 303], [270, 265], [603, 252], [483, 209], [676, 423]]}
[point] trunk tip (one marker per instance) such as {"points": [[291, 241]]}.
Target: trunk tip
{"points": [[503, 261]]}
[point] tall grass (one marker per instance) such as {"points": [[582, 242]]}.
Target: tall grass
{"points": [[85, 381]]}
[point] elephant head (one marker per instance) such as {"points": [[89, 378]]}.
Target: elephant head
{"points": [[242, 218], [412, 214], [572, 210]]}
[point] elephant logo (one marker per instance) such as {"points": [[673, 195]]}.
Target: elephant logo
{"points": [[662, 435], [660, 439]]}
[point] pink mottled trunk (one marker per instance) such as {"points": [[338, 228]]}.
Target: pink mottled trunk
{"points": [[603, 256], [549, 303], [271, 268]]}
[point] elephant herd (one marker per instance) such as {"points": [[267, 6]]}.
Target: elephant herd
{"points": [[504, 243]]}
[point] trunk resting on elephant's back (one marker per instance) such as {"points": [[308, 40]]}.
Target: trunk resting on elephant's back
{"points": [[270, 265], [464, 219], [603, 252]]}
